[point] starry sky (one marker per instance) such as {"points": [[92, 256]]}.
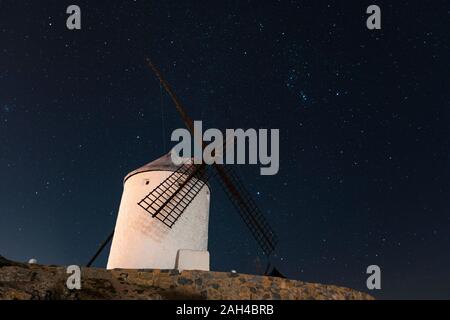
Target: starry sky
{"points": [[364, 119]]}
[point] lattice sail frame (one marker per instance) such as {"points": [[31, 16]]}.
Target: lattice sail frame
{"points": [[249, 211], [170, 198]]}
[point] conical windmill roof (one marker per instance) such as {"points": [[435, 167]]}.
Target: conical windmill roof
{"points": [[161, 164]]}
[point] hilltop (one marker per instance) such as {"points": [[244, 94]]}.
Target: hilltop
{"points": [[23, 281]]}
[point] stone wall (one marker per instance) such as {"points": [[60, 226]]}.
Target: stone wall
{"points": [[25, 281]]}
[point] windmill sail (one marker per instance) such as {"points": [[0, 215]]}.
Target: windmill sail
{"points": [[172, 196], [248, 209], [234, 188], [169, 200]]}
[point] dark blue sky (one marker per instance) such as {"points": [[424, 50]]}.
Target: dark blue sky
{"points": [[364, 121]]}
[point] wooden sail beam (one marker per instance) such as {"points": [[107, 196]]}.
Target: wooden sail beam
{"points": [[186, 119], [227, 181]]}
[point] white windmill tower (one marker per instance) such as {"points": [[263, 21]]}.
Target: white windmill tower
{"points": [[169, 227]]}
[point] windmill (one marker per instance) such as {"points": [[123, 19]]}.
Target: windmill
{"points": [[164, 212]]}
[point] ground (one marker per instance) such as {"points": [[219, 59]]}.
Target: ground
{"points": [[21, 281]]}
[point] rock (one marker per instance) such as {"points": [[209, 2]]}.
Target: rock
{"points": [[20, 281], [7, 263]]}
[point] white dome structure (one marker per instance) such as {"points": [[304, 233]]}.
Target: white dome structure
{"points": [[141, 241]]}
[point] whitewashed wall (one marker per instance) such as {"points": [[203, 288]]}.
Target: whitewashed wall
{"points": [[141, 241]]}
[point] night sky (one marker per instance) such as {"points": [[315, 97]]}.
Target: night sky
{"points": [[364, 119]]}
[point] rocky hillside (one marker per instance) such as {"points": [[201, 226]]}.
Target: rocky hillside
{"points": [[30, 281]]}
